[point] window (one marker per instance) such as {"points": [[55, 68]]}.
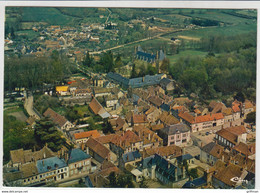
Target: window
{"points": [[80, 164], [24, 181], [172, 137], [36, 177], [61, 170], [40, 176], [183, 135], [65, 169]]}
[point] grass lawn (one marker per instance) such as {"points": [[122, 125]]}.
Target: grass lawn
{"points": [[45, 14], [174, 58], [228, 30], [30, 34]]}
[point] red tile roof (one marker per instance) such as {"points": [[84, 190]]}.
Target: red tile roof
{"points": [[95, 106], [245, 148], [227, 135], [236, 108], [187, 117], [237, 130], [137, 119], [86, 134], [209, 117], [55, 117], [98, 148], [172, 150]]}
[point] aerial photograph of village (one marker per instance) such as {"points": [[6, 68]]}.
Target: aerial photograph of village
{"points": [[129, 97]]}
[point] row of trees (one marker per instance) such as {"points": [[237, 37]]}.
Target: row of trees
{"points": [[32, 72]]}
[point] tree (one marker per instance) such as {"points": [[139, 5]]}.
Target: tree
{"points": [[120, 181], [107, 127], [118, 61], [143, 183], [133, 72], [240, 96], [193, 173], [88, 60], [165, 65], [250, 118], [45, 132]]}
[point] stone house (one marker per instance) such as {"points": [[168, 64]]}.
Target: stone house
{"points": [[231, 136], [61, 122], [78, 162], [177, 134]]}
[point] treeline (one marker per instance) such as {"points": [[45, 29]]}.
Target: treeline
{"points": [[220, 43], [32, 72], [107, 62], [212, 77], [204, 22]]}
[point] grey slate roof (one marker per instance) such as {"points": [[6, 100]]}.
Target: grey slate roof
{"points": [[207, 148], [77, 155], [184, 157], [173, 129], [131, 156], [53, 162], [147, 80]]}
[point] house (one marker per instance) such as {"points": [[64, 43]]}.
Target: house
{"points": [[155, 100], [131, 158], [78, 162], [149, 138], [98, 81], [98, 151], [236, 107], [168, 119], [61, 122], [177, 134], [62, 90], [52, 169], [119, 124], [247, 107], [99, 92], [100, 177], [224, 173], [153, 114], [98, 109], [167, 84], [139, 120], [126, 142], [83, 137], [231, 136], [199, 123], [211, 152], [167, 152], [111, 101], [156, 167], [244, 149], [157, 127], [21, 156]]}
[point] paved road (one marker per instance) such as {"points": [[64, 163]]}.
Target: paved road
{"points": [[28, 105]]}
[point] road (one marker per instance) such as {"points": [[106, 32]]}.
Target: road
{"points": [[28, 105]]}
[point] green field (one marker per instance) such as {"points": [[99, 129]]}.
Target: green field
{"points": [[174, 58], [46, 14], [30, 34], [210, 31]]}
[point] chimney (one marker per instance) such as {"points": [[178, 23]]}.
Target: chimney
{"points": [[183, 172], [87, 150], [176, 174], [44, 155], [180, 120], [149, 136], [222, 158]]}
